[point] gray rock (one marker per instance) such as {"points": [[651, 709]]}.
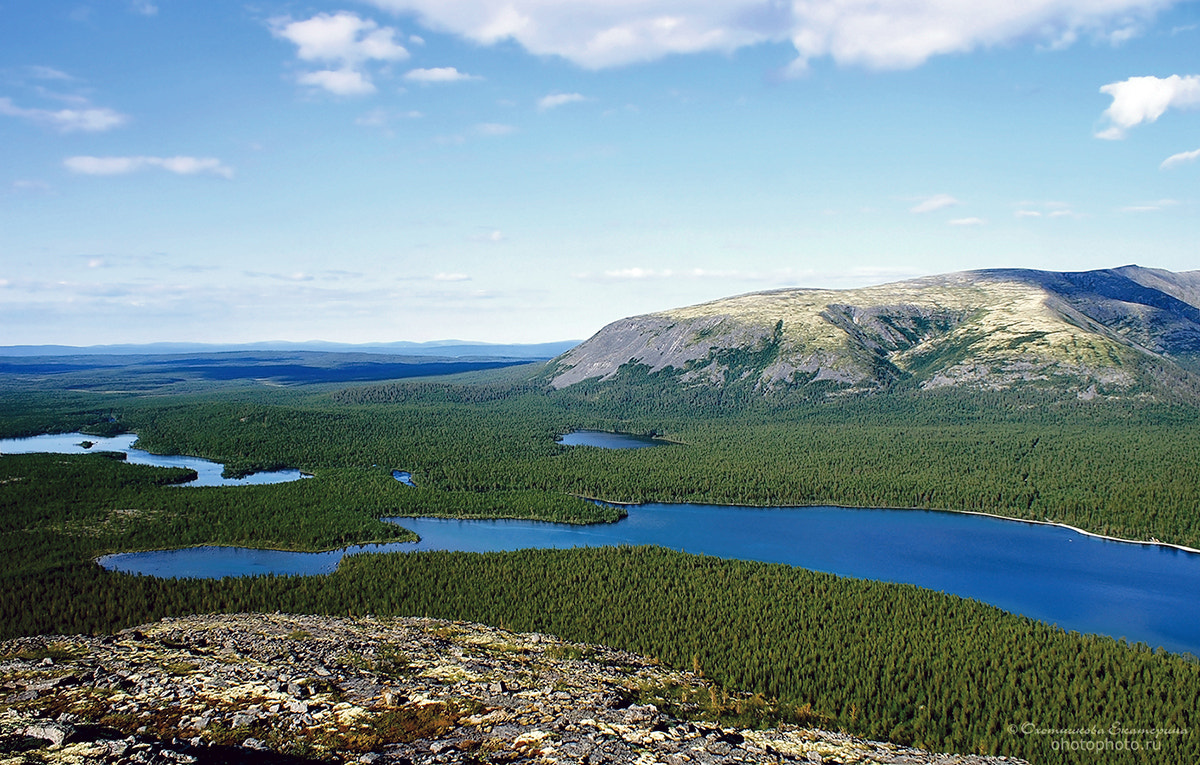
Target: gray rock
{"points": [[56, 733]]}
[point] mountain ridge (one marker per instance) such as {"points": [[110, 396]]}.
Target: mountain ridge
{"points": [[1128, 331]]}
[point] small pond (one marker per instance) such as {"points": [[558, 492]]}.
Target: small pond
{"points": [[606, 440], [404, 477], [208, 473]]}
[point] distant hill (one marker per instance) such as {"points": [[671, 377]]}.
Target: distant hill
{"points": [[438, 348], [1127, 331]]}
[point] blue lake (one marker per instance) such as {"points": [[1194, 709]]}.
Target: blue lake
{"points": [[208, 473], [1139, 592]]}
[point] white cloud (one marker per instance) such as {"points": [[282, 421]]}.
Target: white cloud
{"points": [[1144, 207], [936, 202], [383, 118], [1032, 209], [555, 100], [88, 120], [494, 129], [341, 82], [872, 33], [451, 277], [967, 222], [125, 165], [1145, 99], [345, 40], [438, 74], [26, 184], [637, 273], [1181, 158], [46, 73], [144, 7]]}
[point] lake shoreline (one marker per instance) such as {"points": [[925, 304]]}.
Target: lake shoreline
{"points": [[1145, 542]]}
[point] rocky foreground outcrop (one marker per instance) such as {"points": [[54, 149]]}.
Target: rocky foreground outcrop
{"points": [[289, 689]]}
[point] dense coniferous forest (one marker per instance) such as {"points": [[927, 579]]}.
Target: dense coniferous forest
{"points": [[881, 660]]}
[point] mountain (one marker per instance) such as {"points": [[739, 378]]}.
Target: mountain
{"points": [[1115, 332]]}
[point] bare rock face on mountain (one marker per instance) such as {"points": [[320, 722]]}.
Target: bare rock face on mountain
{"points": [[1118, 332]]}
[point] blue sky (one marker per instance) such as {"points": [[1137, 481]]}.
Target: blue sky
{"points": [[529, 170]]}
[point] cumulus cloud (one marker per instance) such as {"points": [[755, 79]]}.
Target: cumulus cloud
{"points": [[555, 100], [1145, 99], [124, 165], [86, 120], [438, 74], [872, 33], [1181, 158], [345, 40], [341, 37], [936, 202]]}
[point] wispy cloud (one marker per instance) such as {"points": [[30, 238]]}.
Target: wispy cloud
{"points": [[637, 273], [1182, 158], [874, 34], [1046, 210], [1146, 207], [123, 165], [383, 119], [86, 120], [1145, 99], [27, 184], [345, 40], [967, 222], [341, 82], [451, 277], [39, 72], [936, 202], [438, 75], [854, 277], [554, 100], [493, 236], [494, 129]]}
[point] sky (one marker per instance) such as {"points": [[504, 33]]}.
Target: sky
{"points": [[516, 171]]}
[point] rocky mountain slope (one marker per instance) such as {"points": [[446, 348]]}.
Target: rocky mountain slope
{"points": [[1122, 331], [255, 688]]}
